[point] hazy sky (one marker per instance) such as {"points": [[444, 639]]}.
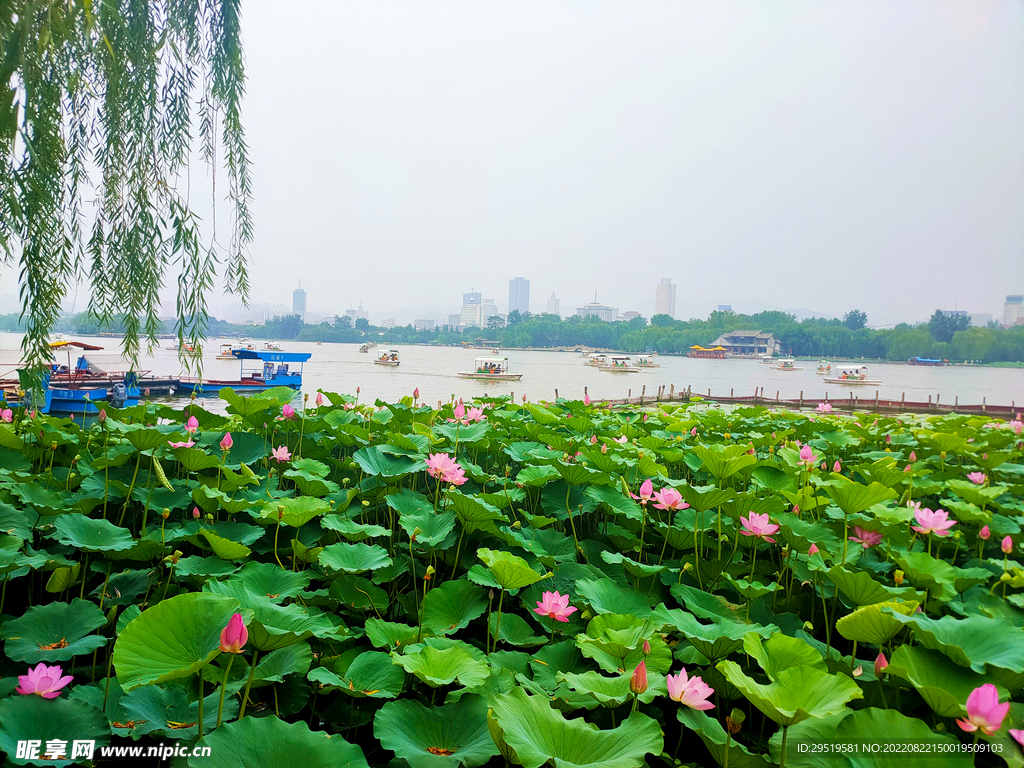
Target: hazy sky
{"points": [[820, 155]]}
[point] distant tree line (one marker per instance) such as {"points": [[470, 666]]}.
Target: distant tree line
{"points": [[944, 336]]}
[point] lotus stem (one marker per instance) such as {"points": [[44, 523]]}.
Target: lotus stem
{"points": [[200, 704], [782, 753], [223, 689], [248, 683], [497, 626]]}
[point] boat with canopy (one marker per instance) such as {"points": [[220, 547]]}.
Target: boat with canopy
{"points": [[491, 368]]}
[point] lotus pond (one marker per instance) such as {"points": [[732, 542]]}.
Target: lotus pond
{"points": [[347, 584]]}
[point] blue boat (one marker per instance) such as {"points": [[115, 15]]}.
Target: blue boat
{"points": [[266, 369], [75, 400]]}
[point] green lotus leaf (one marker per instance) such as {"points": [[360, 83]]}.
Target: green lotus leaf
{"points": [[370, 675], [274, 626], [439, 737], [724, 463], [295, 512], [175, 638], [90, 535], [538, 734], [780, 652], [203, 567], [442, 667], [862, 589], [943, 686], [875, 623], [276, 665], [715, 739], [853, 497], [452, 605], [225, 549], [972, 642], [269, 580], [390, 635], [407, 502], [537, 475], [614, 641], [615, 500], [927, 572], [269, 742], [352, 530], [33, 718], [513, 630], [508, 570], [632, 567], [705, 497], [464, 434], [429, 528], [167, 710], [54, 632], [613, 691], [354, 558], [605, 596], [359, 593], [872, 727], [714, 641], [373, 461], [146, 439], [310, 484], [473, 512], [795, 694], [774, 479], [195, 460], [63, 578]]}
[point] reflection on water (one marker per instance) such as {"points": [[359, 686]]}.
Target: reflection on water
{"points": [[434, 370]]}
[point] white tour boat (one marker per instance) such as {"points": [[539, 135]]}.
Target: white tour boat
{"points": [[620, 364], [388, 357], [824, 368], [271, 346], [597, 360], [787, 364], [225, 352], [853, 376], [646, 361], [491, 368]]}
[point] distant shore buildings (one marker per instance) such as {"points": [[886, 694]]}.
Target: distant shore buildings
{"points": [[665, 298], [553, 307], [519, 295], [595, 309], [747, 343], [1013, 310], [299, 302]]}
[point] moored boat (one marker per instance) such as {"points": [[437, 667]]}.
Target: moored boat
{"points": [[491, 368], [926, 361], [388, 357], [707, 353], [273, 370], [620, 364], [853, 376]]}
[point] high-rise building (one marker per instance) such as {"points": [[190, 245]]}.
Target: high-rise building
{"points": [[606, 313], [553, 308], [665, 298], [519, 295], [454, 321], [488, 309], [299, 302], [471, 298], [1013, 310], [472, 315]]}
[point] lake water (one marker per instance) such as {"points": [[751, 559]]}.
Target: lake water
{"points": [[341, 368]]}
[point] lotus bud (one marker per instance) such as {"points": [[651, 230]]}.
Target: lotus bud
{"points": [[808, 627], [234, 636], [1005, 577], [165, 514], [984, 533], [1007, 545], [735, 721], [687, 567], [346, 480], [796, 509], [319, 399], [693, 432], [103, 415], [913, 457], [638, 682], [226, 442], [490, 594], [416, 393], [824, 466], [898, 577], [604, 448], [517, 525], [813, 550], [593, 439], [429, 574], [888, 439], [196, 513], [837, 467], [357, 390], [880, 664], [647, 647]]}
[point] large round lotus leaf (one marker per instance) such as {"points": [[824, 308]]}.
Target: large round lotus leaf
{"points": [[452, 605], [54, 632], [540, 734], [34, 718], [715, 739], [510, 571], [168, 711], [354, 558], [853, 497], [275, 626], [430, 529], [269, 742], [972, 642], [474, 513], [605, 596], [714, 641], [943, 686], [613, 691], [373, 461], [91, 535], [780, 652], [513, 630], [439, 737], [295, 512], [371, 674], [874, 623], [146, 439], [276, 665], [871, 727], [269, 580], [175, 638], [796, 693], [225, 549], [442, 667]]}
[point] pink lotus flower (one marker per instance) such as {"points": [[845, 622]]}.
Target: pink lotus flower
{"points": [[824, 407], [912, 457], [978, 478], [837, 467], [234, 636], [796, 509], [638, 682], [984, 712], [758, 525], [319, 399], [888, 439], [1007, 545], [621, 439], [866, 538], [281, 453], [693, 432], [984, 533], [880, 663], [1018, 736], [586, 399], [555, 606], [646, 492], [186, 444], [192, 424], [813, 550], [226, 442], [460, 413], [936, 522], [1016, 425], [693, 692], [807, 456], [474, 414], [196, 514], [669, 498], [8, 415], [287, 412], [444, 468], [43, 681]]}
